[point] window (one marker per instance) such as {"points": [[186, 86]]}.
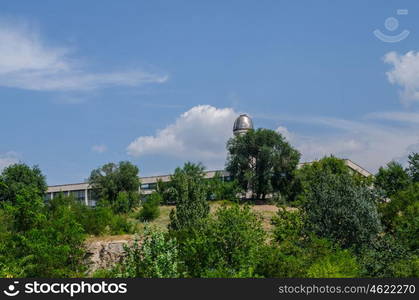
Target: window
{"points": [[56, 194], [48, 197], [148, 186], [79, 195]]}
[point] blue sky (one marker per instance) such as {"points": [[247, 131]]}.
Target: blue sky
{"points": [[83, 83]]}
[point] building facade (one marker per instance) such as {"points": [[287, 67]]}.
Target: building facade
{"points": [[84, 193]]}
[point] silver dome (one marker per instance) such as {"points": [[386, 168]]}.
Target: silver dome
{"points": [[242, 124]]}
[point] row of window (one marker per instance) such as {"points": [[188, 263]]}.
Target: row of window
{"points": [[79, 195], [153, 186]]}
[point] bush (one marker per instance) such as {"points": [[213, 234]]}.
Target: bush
{"points": [[308, 257], [155, 256], [338, 264], [227, 244], [406, 227], [191, 197], [150, 209], [288, 225], [398, 204], [379, 257], [338, 207]]}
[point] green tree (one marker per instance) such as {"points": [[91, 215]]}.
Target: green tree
{"points": [[19, 177], [413, 168], [151, 207], [337, 207], [392, 179], [190, 197], [263, 162], [110, 180], [397, 206]]}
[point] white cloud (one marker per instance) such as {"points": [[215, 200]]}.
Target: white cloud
{"points": [[200, 134], [404, 117], [99, 148], [27, 62], [369, 144], [285, 133], [8, 159], [405, 73]]}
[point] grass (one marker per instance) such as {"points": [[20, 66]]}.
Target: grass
{"points": [[266, 212]]}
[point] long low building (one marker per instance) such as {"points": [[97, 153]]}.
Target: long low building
{"points": [[84, 193]]}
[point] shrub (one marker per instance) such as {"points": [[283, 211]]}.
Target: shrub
{"points": [[227, 244], [338, 264], [154, 256], [191, 197], [338, 207], [288, 225], [378, 258], [398, 205], [150, 209], [406, 227]]}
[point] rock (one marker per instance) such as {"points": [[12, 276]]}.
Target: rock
{"points": [[104, 254]]}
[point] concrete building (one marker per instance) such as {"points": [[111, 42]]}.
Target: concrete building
{"points": [[84, 193]]}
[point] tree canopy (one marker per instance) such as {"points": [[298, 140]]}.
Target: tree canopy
{"points": [[263, 162], [116, 184]]}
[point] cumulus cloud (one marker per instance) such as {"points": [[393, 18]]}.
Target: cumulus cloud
{"points": [[28, 62], [367, 143], [99, 148], [199, 134], [405, 73], [8, 159]]}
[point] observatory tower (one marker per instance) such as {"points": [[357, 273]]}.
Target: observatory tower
{"points": [[242, 124]]}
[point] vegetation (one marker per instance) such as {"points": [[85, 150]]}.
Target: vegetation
{"points": [[116, 185], [341, 225], [190, 197], [150, 209], [263, 162]]}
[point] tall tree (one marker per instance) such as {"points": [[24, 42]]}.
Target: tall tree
{"points": [[110, 180], [190, 195], [413, 168], [392, 178], [21, 177], [263, 162]]}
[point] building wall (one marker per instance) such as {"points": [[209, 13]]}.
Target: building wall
{"points": [[84, 193]]}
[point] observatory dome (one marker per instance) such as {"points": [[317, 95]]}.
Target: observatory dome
{"points": [[242, 124]]}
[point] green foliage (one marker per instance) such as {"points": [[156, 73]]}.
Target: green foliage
{"points": [[117, 185], [398, 204], [408, 268], [339, 264], [41, 242], [94, 220], [392, 179], [262, 161], [155, 256], [406, 227], [190, 197], [337, 207], [288, 225], [18, 177], [413, 168], [306, 257], [225, 245], [150, 209], [381, 257], [219, 189]]}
